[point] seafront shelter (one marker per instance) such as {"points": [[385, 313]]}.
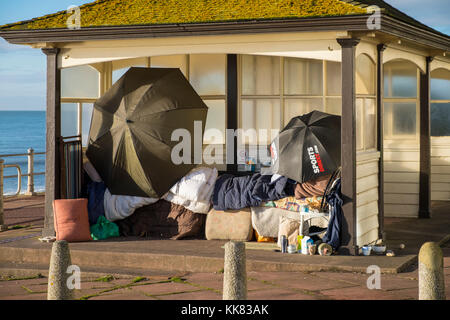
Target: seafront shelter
{"points": [[257, 64]]}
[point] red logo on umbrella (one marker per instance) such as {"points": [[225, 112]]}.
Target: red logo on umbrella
{"points": [[316, 161]]}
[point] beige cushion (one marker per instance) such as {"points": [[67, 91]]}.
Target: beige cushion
{"points": [[229, 225]]}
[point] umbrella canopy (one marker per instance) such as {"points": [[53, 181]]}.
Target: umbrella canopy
{"points": [[308, 147], [130, 136]]}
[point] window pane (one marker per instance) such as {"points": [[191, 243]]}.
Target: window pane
{"points": [[215, 120], [173, 61], [86, 121], [400, 118], [334, 79], [400, 79], [69, 119], [359, 126], [259, 114], [79, 82], [370, 121], [117, 74], [260, 75], [298, 107], [302, 76], [440, 84], [207, 73], [440, 119], [334, 106], [365, 75]]}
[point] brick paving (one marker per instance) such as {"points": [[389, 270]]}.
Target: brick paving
{"points": [[208, 286]]}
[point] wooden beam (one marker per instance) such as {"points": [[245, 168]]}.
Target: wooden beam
{"points": [[380, 138], [53, 133], [232, 111], [425, 144], [348, 147]]}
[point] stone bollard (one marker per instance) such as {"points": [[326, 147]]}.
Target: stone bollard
{"points": [[235, 274], [57, 274], [431, 272]]}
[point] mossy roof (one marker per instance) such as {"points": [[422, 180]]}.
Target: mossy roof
{"points": [[156, 12]]}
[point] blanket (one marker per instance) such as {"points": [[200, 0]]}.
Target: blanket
{"points": [[293, 204], [312, 188], [163, 220], [194, 191], [266, 220], [235, 193], [119, 207]]}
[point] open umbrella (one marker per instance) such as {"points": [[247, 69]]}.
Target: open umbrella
{"points": [[308, 147], [130, 136]]}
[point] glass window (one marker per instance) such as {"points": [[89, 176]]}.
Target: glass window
{"points": [[334, 106], [365, 75], [207, 73], [370, 124], [440, 85], [440, 119], [401, 118], [260, 75], [215, 120], [400, 79], [359, 123], [88, 108], [69, 116], [334, 78], [173, 61], [79, 82], [260, 114], [120, 67], [303, 76], [298, 107]]}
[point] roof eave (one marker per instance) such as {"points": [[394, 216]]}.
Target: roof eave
{"points": [[352, 23]]}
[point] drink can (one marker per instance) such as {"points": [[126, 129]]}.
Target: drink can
{"points": [[284, 244]]}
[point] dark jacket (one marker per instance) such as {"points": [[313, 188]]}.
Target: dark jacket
{"points": [[333, 234]]}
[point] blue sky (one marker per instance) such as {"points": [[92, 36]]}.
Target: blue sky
{"points": [[22, 69]]}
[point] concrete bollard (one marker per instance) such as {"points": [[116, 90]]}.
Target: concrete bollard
{"points": [[431, 272], [235, 274], [57, 275]]}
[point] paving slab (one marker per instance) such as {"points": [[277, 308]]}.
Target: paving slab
{"points": [[194, 295]]}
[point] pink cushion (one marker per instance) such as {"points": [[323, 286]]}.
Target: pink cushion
{"points": [[71, 220]]}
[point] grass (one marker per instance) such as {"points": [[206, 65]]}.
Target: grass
{"points": [[13, 278], [107, 278]]}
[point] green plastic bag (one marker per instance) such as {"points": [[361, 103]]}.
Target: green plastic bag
{"points": [[104, 229]]}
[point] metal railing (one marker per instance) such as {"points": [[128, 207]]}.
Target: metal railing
{"points": [[31, 174]]}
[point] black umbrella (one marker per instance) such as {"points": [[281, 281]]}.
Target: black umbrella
{"points": [[130, 140], [308, 147]]}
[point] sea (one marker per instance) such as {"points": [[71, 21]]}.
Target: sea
{"points": [[19, 131]]}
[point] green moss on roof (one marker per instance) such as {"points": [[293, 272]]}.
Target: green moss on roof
{"points": [[152, 12]]}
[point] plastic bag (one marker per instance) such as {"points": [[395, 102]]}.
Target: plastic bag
{"points": [[104, 229]]}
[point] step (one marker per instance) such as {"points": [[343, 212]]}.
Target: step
{"points": [[190, 256]]}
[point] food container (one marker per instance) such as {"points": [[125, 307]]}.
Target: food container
{"points": [[366, 250], [292, 248], [379, 249]]}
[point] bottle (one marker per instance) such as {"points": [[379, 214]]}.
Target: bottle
{"points": [[299, 244], [305, 241]]}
